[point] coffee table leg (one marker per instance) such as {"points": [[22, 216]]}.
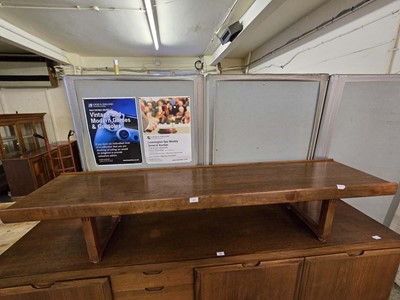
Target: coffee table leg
{"points": [[317, 215], [94, 244], [324, 226]]}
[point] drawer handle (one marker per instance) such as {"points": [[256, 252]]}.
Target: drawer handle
{"points": [[355, 253], [42, 285], [155, 272], [154, 289], [251, 264]]}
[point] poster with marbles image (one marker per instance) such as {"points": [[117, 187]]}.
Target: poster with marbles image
{"points": [[114, 130]]}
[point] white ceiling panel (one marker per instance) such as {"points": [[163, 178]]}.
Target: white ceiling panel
{"points": [[119, 28], [86, 32], [186, 27]]}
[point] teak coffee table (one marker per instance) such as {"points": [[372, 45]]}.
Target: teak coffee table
{"points": [[310, 188]]}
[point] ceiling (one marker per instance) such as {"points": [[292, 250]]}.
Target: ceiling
{"points": [[120, 28]]}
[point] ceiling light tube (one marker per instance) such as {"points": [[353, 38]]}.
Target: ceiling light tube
{"points": [[152, 24]]}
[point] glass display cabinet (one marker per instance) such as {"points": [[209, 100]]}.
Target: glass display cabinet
{"points": [[17, 134], [21, 153], [25, 157]]}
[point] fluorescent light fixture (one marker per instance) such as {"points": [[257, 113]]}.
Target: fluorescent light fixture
{"points": [[152, 23]]}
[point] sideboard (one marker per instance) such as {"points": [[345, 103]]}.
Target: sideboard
{"points": [[224, 232], [255, 252]]}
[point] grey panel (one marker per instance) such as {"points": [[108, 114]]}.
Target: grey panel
{"points": [[365, 133], [79, 87], [263, 120]]}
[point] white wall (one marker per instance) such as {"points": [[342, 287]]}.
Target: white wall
{"points": [[360, 43], [144, 65], [365, 42], [53, 102], [59, 111]]}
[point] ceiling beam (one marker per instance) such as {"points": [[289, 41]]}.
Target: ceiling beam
{"points": [[256, 14], [22, 39]]}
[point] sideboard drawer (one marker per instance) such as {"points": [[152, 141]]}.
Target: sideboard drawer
{"points": [[152, 278], [180, 292], [166, 284], [98, 288]]}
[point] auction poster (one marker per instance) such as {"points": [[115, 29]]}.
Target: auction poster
{"points": [[167, 129], [114, 131]]}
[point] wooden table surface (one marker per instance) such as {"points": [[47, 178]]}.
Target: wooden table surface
{"points": [[271, 232], [111, 193]]}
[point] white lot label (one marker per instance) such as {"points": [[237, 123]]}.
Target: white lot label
{"points": [[193, 199], [341, 186]]}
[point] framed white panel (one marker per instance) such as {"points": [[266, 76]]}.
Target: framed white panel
{"points": [[85, 87], [360, 127], [256, 118]]}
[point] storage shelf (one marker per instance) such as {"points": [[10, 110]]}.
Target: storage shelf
{"points": [[10, 138]]}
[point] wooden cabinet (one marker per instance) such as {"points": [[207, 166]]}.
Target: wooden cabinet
{"points": [[28, 173], [25, 157], [365, 275], [40, 169], [269, 254], [257, 281], [215, 232], [23, 174], [17, 134], [355, 275], [22, 153], [98, 289]]}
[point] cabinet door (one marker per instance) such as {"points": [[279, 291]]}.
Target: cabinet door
{"points": [[266, 280], [29, 142], [362, 275], [41, 130], [40, 171], [10, 142], [98, 289], [19, 176]]}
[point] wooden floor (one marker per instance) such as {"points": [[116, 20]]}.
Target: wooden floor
{"points": [[395, 295], [11, 233]]}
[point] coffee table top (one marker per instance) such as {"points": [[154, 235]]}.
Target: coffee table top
{"points": [[91, 194]]}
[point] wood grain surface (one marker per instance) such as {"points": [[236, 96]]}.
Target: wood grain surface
{"points": [[157, 190], [56, 251]]}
